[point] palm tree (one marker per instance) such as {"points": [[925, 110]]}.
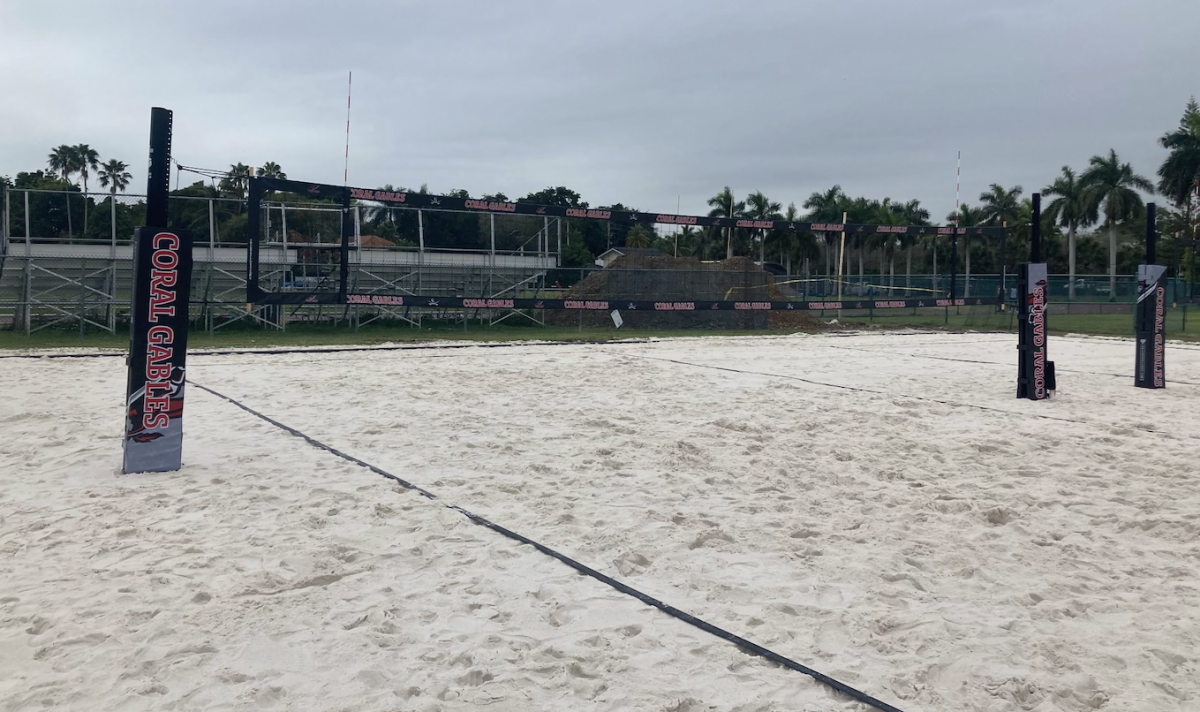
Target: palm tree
{"points": [[685, 240], [968, 217], [863, 210], [86, 158], [1114, 184], [1179, 175], [792, 244], [759, 207], [1069, 208], [826, 207], [725, 206], [114, 176], [888, 213], [236, 181], [639, 236], [271, 169], [930, 243], [62, 161], [916, 216], [1000, 206]]}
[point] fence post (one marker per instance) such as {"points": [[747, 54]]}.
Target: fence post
{"points": [[357, 267], [82, 298], [27, 311], [212, 258], [112, 266]]}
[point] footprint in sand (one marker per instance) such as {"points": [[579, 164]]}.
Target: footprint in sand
{"points": [[832, 637], [631, 564]]}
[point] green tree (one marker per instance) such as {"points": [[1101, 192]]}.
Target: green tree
{"points": [[999, 206], [792, 244], [1114, 185], [235, 181], [639, 236], [760, 207], [687, 241], [826, 207], [576, 254], [48, 211], [114, 176], [86, 160], [561, 196], [1179, 175], [916, 216], [62, 161], [724, 205], [862, 211], [1070, 209], [969, 217], [271, 169]]}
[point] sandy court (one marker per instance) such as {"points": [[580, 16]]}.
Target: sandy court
{"points": [[877, 506]]}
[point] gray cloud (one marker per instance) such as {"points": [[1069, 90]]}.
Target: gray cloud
{"points": [[638, 102]]}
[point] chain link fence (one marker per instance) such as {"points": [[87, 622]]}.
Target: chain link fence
{"points": [[66, 262]]}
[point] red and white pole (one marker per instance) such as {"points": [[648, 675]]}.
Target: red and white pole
{"points": [[346, 170], [957, 190]]}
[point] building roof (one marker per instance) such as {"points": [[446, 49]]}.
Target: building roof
{"points": [[648, 251]]}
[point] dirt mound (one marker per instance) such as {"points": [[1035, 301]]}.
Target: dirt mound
{"points": [[664, 278]]}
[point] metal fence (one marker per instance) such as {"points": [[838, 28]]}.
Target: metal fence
{"points": [[66, 262]]}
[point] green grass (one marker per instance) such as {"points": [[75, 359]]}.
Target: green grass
{"points": [[302, 334]]}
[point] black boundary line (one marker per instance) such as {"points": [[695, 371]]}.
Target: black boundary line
{"points": [[534, 342], [955, 404], [707, 627], [348, 349], [997, 363]]}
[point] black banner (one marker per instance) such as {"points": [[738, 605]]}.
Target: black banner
{"points": [[443, 202], [1035, 374], [437, 302], [157, 350], [1150, 361]]}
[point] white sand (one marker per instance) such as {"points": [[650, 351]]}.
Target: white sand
{"points": [[937, 555]]}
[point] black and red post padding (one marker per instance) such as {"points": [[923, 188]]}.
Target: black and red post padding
{"points": [[1035, 373], [1150, 361], [162, 259]]}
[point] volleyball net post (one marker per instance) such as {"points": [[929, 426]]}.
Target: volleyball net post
{"points": [[1150, 322], [1035, 373], [162, 263]]}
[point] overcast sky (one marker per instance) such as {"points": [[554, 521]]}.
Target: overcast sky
{"points": [[641, 102]]}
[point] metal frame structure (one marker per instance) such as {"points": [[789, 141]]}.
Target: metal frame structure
{"points": [[347, 294]]}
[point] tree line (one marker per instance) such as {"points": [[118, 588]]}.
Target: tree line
{"points": [[1092, 221]]}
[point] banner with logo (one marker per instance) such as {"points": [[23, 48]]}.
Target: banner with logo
{"points": [[157, 351], [444, 202], [1035, 374], [1150, 366]]}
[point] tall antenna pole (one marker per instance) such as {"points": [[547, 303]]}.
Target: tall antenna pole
{"points": [[957, 189], [346, 170]]}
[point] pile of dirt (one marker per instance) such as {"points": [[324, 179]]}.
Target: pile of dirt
{"points": [[664, 278]]}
